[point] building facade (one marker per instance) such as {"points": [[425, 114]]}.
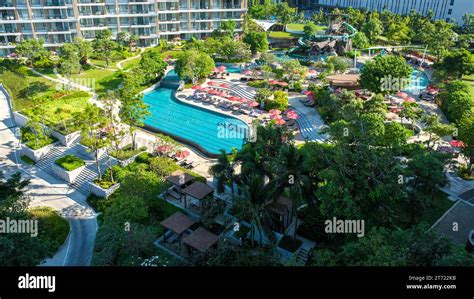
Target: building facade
{"points": [[450, 10], [59, 21]]}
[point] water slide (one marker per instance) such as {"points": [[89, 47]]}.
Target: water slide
{"points": [[302, 42]]}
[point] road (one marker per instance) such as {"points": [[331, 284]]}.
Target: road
{"points": [[46, 190]]}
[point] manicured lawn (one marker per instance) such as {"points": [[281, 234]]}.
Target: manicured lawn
{"points": [[70, 162], [127, 152], [282, 34], [59, 113], [440, 206], [173, 53], [469, 80], [47, 71], [300, 27], [99, 79], [101, 63], [22, 84], [130, 64]]}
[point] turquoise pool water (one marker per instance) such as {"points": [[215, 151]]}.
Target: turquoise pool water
{"points": [[210, 130], [231, 69], [419, 81]]}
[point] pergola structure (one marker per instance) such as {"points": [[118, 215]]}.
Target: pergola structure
{"points": [[348, 81], [282, 209], [198, 190], [177, 223], [180, 180], [201, 240]]}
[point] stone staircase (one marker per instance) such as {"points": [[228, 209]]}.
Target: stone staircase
{"points": [[87, 175], [302, 256]]}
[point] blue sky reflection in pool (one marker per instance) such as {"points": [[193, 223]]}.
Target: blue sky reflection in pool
{"points": [[211, 130]]}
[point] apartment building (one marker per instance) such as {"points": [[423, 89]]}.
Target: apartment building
{"points": [[59, 21], [450, 10]]}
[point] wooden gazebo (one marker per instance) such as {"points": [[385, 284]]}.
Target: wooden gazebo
{"points": [[198, 190], [201, 240], [282, 210], [177, 223], [180, 180]]}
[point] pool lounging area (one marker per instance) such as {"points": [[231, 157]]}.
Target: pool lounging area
{"points": [[418, 82], [206, 130], [231, 69]]}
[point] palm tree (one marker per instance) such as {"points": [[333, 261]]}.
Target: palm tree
{"points": [[292, 175], [224, 171], [255, 195]]}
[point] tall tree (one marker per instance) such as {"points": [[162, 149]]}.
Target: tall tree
{"points": [[104, 45]]}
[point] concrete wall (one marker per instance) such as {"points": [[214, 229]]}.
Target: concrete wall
{"points": [[101, 192], [68, 176]]}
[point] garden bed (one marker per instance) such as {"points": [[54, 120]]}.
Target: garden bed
{"points": [[103, 188], [68, 167], [127, 154]]}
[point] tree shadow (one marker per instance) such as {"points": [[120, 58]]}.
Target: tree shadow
{"points": [[33, 89]]}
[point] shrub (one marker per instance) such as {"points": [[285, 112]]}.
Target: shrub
{"points": [[27, 160], [127, 152], [35, 141], [280, 101], [70, 162]]}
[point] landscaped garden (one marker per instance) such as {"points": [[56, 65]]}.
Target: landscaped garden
{"points": [[70, 162]]}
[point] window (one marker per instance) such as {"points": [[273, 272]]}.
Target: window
{"points": [[450, 11], [452, 2]]}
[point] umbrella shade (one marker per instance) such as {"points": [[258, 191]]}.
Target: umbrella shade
{"points": [[197, 87], [402, 94], [182, 154], [164, 148], [282, 83], [224, 85], [390, 115], [275, 112], [213, 91], [291, 114], [222, 68], [280, 121], [211, 83], [247, 72], [253, 104], [273, 82], [410, 100], [234, 99], [456, 143]]}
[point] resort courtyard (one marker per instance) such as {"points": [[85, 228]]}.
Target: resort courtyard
{"points": [[238, 148]]}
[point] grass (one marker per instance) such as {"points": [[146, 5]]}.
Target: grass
{"points": [[52, 228], [29, 139], [59, 113], [300, 27], [70, 162], [22, 84], [441, 204], [470, 81], [127, 152], [172, 53], [130, 64], [27, 160], [47, 71], [99, 79], [281, 35], [102, 64]]}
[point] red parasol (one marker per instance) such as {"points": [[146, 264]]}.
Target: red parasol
{"points": [[224, 85], [282, 83], [456, 143], [182, 154], [291, 114], [247, 72], [197, 87], [409, 100], [280, 121], [274, 112], [253, 104], [273, 82], [402, 94], [211, 83]]}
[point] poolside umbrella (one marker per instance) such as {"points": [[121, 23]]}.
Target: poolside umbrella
{"points": [[247, 72], [274, 112], [410, 100], [306, 92], [456, 143], [182, 154], [273, 82], [224, 85], [390, 115], [253, 104], [402, 94], [233, 99], [279, 120], [211, 83], [222, 68], [164, 148], [291, 114], [395, 110], [282, 83], [198, 87]]}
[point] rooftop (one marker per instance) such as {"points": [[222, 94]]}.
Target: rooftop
{"points": [[200, 239], [178, 222]]}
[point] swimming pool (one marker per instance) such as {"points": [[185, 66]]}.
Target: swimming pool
{"points": [[419, 81], [231, 69], [200, 127]]}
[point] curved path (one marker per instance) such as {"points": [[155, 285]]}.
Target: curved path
{"points": [[119, 64], [46, 190]]}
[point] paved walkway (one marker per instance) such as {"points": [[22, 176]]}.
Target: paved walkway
{"points": [[46, 190]]}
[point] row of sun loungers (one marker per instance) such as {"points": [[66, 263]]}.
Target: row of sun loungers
{"points": [[307, 102], [224, 104]]}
